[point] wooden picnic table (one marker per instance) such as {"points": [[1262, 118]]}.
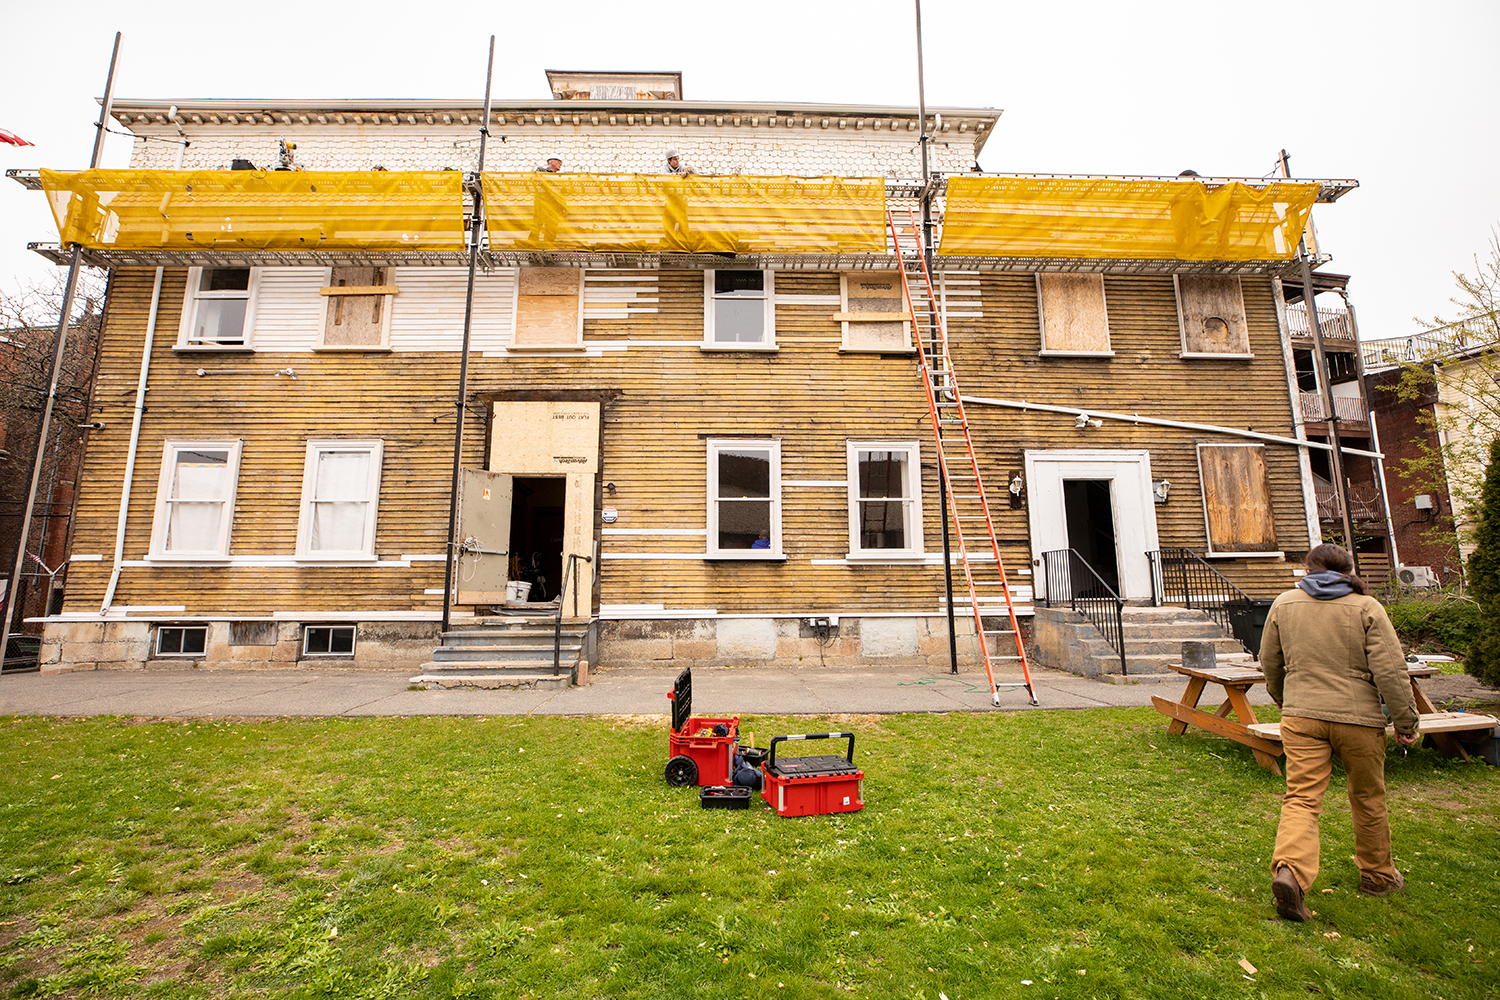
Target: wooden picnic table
{"points": [[1264, 739]]}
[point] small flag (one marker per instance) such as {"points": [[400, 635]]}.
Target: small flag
{"points": [[13, 139]]}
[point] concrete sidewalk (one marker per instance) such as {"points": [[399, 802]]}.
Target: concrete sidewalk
{"points": [[716, 691]]}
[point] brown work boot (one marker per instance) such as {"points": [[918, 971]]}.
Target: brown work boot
{"points": [[1370, 887], [1288, 893]]}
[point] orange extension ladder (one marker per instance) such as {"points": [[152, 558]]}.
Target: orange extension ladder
{"points": [[960, 470]]}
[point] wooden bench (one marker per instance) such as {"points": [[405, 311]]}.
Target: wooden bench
{"points": [[1443, 727]]}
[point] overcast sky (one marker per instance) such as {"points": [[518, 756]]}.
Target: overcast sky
{"points": [[1403, 98]]}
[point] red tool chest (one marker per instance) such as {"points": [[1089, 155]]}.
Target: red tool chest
{"points": [[700, 748], [813, 785]]}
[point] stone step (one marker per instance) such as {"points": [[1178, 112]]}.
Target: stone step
{"points": [[492, 680], [474, 667], [484, 636]]}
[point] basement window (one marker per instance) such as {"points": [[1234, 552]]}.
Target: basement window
{"points": [[181, 640], [328, 640]]}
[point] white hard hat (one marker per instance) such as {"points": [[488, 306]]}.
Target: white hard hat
{"points": [[554, 156], [672, 153]]}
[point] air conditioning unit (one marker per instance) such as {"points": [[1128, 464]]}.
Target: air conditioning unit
{"points": [[1418, 576]]}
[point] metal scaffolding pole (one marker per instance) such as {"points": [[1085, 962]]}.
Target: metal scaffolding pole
{"points": [[59, 345], [476, 230]]}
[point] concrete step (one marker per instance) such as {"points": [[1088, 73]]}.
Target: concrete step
{"points": [[438, 680], [481, 637], [504, 651]]}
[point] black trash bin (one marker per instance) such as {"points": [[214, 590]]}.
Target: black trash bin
{"points": [[1247, 620]]}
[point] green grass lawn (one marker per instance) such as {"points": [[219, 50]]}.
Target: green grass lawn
{"points": [[1033, 855]]}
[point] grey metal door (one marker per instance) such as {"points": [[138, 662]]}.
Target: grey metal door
{"points": [[484, 537]]}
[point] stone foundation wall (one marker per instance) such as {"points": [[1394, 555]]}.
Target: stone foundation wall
{"points": [[919, 641], [128, 645]]}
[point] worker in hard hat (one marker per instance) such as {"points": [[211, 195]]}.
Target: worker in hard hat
{"points": [[676, 165]]}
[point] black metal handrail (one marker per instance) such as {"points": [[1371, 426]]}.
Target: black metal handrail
{"points": [[1094, 599], [1181, 576], [568, 571]]}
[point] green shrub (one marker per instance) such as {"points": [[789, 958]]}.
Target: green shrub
{"points": [[1443, 623]]}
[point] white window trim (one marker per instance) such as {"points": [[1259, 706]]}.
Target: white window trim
{"points": [[913, 503], [1187, 355], [385, 315], [161, 520], [353, 645], [769, 344], [715, 445], [190, 314], [157, 654], [315, 447]]}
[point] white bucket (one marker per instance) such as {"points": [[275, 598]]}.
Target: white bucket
{"points": [[517, 591]]}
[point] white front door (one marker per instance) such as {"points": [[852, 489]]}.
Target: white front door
{"points": [[1129, 476]]}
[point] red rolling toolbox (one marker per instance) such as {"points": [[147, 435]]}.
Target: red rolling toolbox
{"points": [[811, 786], [700, 748]]}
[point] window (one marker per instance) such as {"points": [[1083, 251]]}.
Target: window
{"points": [[328, 640], [1237, 499], [218, 310], [181, 640], [1072, 314], [356, 309], [875, 317], [195, 499], [549, 307], [340, 489], [885, 498], [739, 312], [744, 499], [1211, 314]]}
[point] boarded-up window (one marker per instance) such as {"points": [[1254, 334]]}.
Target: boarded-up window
{"points": [[1072, 313], [357, 309], [1211, 312], [549, 307], [874, 316], [1236, 498]]}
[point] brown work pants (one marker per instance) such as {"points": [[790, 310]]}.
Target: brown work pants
{"points": [[1310, 745]]}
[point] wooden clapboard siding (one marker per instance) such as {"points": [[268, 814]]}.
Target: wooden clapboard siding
{"points": [[664, 402]]}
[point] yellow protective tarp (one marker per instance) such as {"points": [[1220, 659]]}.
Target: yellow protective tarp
{"points": [[668, 214], [1123, 219], [258, 209]]}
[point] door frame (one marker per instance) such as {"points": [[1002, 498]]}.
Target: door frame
{"points": [[1131, 502]]}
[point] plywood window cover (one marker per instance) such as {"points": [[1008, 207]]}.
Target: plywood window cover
{"points": [[191, 298], [1211, 552], [332, 292], [1240, 317], [160, 524], [851, 321], [528, 300], [915, 551], [1042, 280], [376, 448], [774, 553], [768, 344]]}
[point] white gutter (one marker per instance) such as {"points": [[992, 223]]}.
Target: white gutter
{"points": [[135, 440], [1136, 418]]}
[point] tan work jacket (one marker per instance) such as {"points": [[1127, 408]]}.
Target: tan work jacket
{"points": [[1335, 660]]}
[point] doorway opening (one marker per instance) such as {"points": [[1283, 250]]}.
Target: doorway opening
{"points": [[536, 534], [1089, 510]]}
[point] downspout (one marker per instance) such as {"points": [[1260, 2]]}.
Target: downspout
{"points": [[135, 440], [1299, 426], [136, 420]]}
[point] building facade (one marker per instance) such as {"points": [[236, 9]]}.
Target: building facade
{"points": [[710, 454]]}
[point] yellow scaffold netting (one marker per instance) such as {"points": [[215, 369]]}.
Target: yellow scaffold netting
{"points": [[258, 209], [1123, 219], [667, 214]]}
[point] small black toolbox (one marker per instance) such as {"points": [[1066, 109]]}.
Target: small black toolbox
{"points": [[724, 797]]}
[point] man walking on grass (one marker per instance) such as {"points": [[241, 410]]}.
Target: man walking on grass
{"points": [[1330, 656]]}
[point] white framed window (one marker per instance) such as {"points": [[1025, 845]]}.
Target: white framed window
{"points": [[885, 499], [195, 500], [739, 310], [181, 640], [744, 498], [340, 493], [218, 309], [328, 640]]}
